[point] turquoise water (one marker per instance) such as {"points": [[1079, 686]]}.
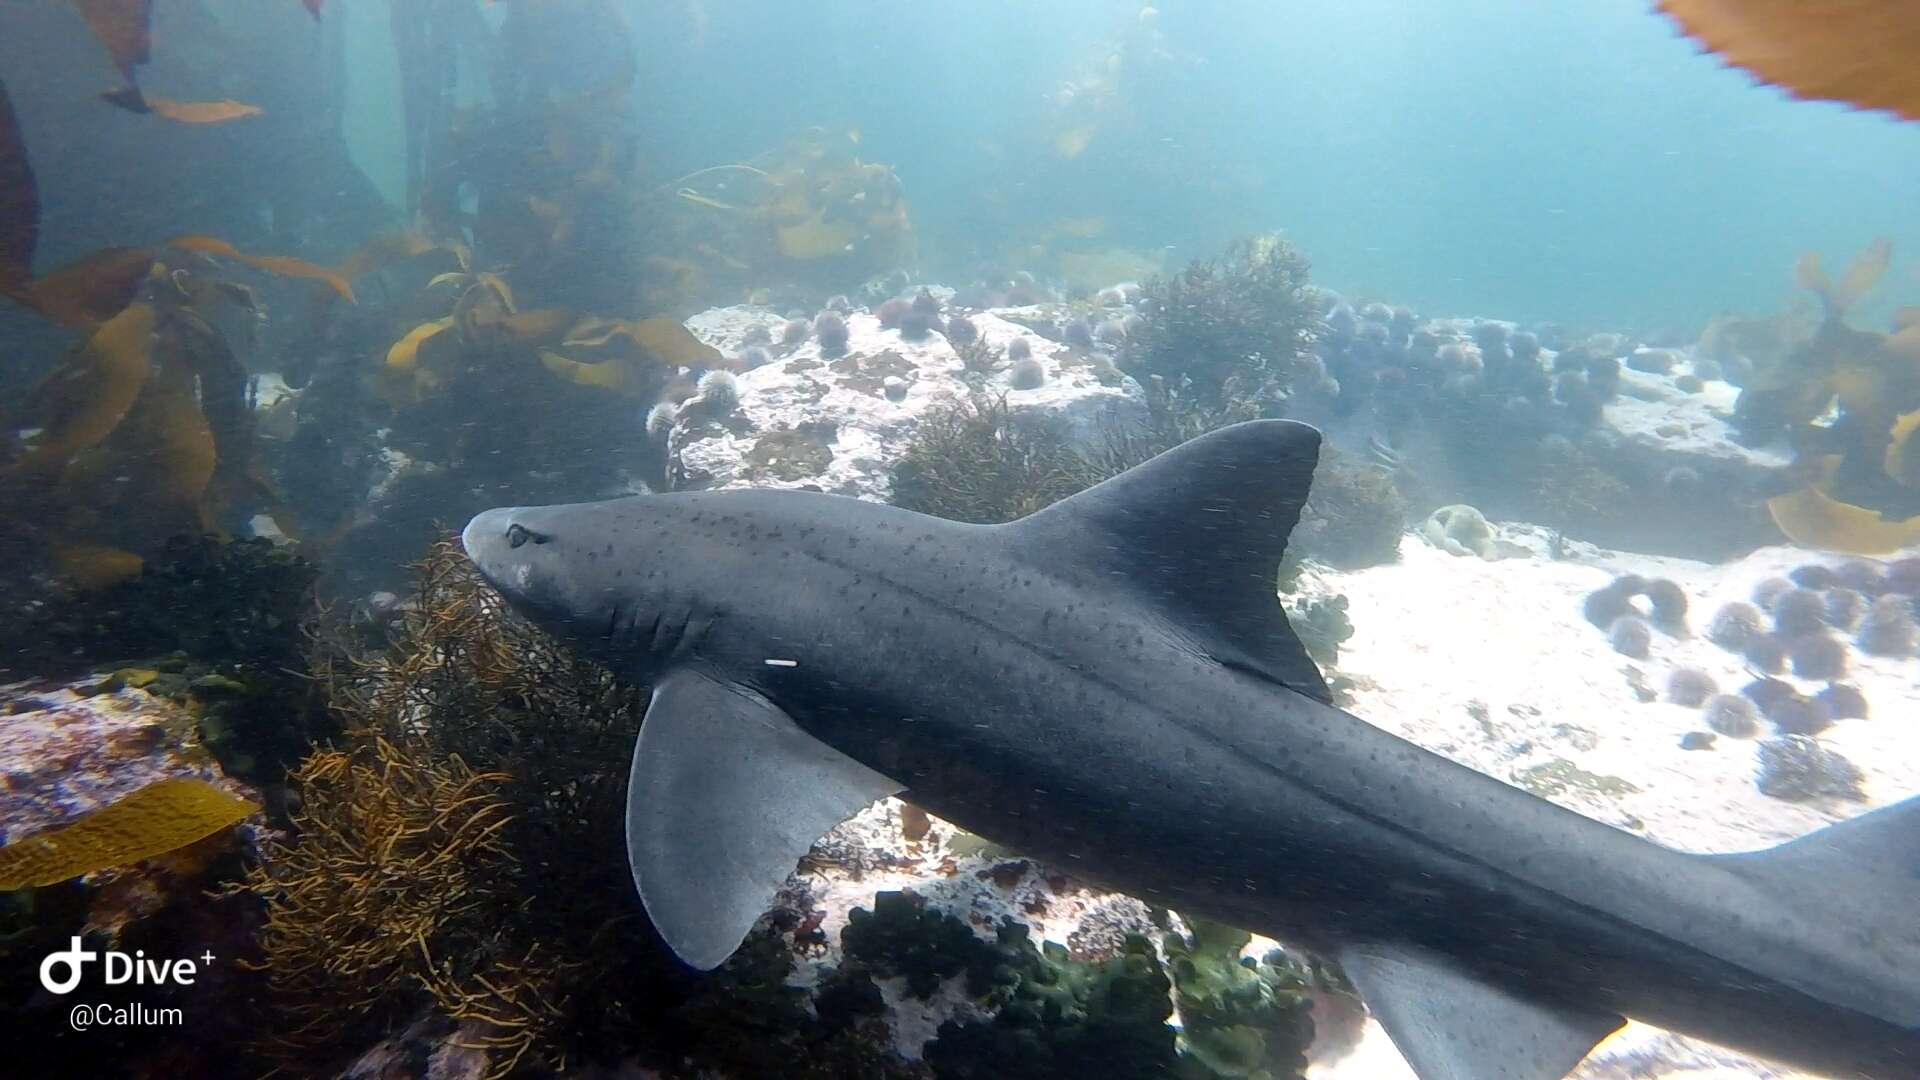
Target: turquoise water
{"points": [[1573, 162], [1580, 163]]}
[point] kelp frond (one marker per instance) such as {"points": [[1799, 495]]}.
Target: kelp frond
{"points": [[161, 817]]}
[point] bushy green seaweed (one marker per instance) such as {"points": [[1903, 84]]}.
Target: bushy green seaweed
{"points": [[977, 462], [1239, 1018], [974, 463], [1231, 327], [1354, 517], [746, 1020], [1054, 1016], [1322, 626], [902, 936], [1061, 1018]]}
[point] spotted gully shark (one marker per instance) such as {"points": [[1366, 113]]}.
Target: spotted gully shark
{"points": [[1112, 686]]}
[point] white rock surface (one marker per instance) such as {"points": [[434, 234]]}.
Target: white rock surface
{"points": [[828, 423], [1653, 415], [1431, 642], [1488, 662]]}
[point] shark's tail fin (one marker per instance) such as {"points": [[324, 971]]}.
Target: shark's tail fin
{"points": [[1859, 881], [1875, 856]]}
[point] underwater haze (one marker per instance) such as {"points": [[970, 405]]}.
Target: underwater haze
{"points": [[725, 539], [1578, 163]]}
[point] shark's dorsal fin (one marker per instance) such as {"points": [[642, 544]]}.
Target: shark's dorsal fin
{"points": [[1198, 533], [727, 793], [1452, 1026]]}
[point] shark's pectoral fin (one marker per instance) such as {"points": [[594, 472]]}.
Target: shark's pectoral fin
{"points": [[1452, 1026], [727, 794], [1197, 534]]}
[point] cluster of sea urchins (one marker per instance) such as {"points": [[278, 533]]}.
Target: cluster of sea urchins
{"points": [[1802, 625], [1616, 608], [1796, 625]]}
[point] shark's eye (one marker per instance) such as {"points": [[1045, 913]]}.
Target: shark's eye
{"points": [[517, 535]]}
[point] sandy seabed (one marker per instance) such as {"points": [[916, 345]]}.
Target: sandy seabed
{"points": [[1493, 665]]}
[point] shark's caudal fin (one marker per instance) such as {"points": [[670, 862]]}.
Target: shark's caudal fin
{"points": [[1862, 879], [727, 794], [1197, 533]]}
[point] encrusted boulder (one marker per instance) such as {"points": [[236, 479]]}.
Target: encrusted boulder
{"points": [[837, 423]]}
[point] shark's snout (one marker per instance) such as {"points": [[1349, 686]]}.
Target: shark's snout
{"points": [[496, 541], [487, 529]]}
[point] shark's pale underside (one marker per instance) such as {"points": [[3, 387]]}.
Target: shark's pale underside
{"points": [[1111, 685]]}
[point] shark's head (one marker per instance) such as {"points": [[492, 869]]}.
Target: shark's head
{"points": [[575, 570], [522, 552]]}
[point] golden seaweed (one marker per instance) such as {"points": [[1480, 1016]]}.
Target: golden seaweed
{"points": [[422, 862], [389, 248], [404, 355], [165, 445], [161, 817], [539, 326], [1902, 459], [1862, 52], [94, 567], [482, 309], [665, 340], [145, 430], [1812, 518], [281, 265], [83, 401], [814, 237], [1863, 273], [612, 375], [1869, 381], [90, 290]]}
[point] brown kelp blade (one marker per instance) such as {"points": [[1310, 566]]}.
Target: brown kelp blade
{"points": [[93, 567], [121, 26], [1863, 273], [283, 265], [19, 205], [404, 354], [1812, 518], [1902, 458], [664, 339], [161, 817], [1866, 270], [383, 251], [1862, 52], [164, 448], [86, 399], [614, 375], [135, 100], [91, 290]]}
